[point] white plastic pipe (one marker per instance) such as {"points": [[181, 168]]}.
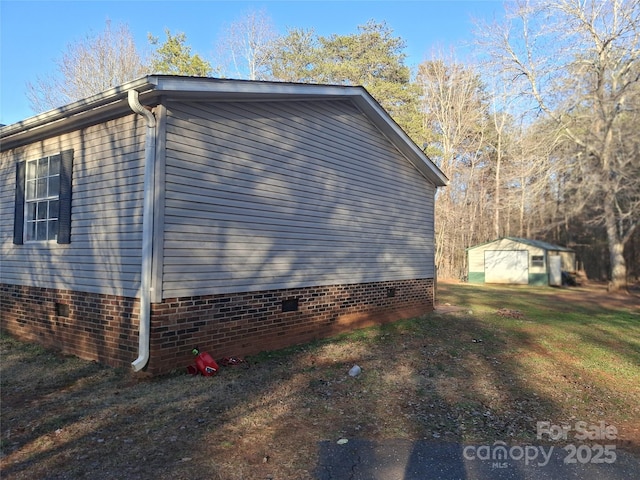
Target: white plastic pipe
{"points": [[147, 231]]}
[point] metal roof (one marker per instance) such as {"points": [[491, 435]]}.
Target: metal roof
{"points": [[527, 241], [113, 102]]}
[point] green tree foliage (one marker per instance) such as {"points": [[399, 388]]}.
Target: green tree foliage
{"points": [[372, 57], [294, 57], [174, 57]]}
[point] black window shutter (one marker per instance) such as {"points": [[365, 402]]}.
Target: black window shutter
{"points": [[64, 214], [18, 216]]}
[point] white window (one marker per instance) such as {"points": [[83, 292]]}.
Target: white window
{"points": [[537, 260], [42, 199]]}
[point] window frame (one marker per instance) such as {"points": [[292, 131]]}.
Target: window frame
{"points": [[21, 205], [37, 200], [537, 261]]}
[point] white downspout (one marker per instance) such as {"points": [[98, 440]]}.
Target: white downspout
{"points": [[147, 231]]}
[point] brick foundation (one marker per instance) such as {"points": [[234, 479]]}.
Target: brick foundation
{"points": [[92, 326], [104, 327]]}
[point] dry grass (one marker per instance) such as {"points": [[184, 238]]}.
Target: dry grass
{"points": [[468, 377]]}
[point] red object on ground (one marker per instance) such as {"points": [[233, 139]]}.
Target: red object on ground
{"points": [[205, 363]]}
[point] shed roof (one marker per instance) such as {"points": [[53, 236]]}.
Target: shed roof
{"points": [[527, 241], [113, 102]]}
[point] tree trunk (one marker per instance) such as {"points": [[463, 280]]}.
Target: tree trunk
{"points": [[616, 250], [523, 199], [496, 211]]}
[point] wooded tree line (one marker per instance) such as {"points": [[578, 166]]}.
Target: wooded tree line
{"points": [[540, 137]]}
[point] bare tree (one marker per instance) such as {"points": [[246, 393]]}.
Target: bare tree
{"points": [[246, 47], [536, 181], [455, 118], [578, 61], [88, 67], [503, 140]]}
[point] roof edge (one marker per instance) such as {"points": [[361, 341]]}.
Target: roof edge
{"points": [[527, 241], [113, 101], [70, 109]]}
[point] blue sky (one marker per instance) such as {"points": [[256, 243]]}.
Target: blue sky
{"points": [[34, 34]]}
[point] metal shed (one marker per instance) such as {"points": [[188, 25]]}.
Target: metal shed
{"points": [[513, 260]]}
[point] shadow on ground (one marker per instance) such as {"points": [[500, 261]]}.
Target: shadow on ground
{"points": [[419, 460], [429, 388]]}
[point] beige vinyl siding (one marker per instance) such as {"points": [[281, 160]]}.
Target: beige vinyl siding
{"points": [[478, 268], [476, 254], [106, 220], [288, 194], [568, 260]]}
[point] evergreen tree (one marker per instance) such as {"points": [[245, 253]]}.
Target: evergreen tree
{"points": [[174, 57], [373, 57]]}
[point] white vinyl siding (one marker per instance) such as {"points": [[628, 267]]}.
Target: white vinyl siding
{"points": [[279, 195], [106, 219]]}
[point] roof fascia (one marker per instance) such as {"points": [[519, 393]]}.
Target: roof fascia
{"points": [[245, 87], [359, 95], [526, 241], [112, 102], [541, 244], [92, 109], [397, 136], [484, 244]]}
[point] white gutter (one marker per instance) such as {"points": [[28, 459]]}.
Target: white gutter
{"points": [[147, 230]]}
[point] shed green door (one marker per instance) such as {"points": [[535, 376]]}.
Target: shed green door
{"points": [[506, 266]]}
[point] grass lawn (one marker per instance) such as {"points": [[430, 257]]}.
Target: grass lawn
{"points": [[487, 365]]}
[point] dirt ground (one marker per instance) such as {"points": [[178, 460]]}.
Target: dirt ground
{"points": [[595, 293], [456, 375]]}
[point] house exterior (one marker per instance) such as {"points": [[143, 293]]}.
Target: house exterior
{"points": [[519, 261], [236, 216]]}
